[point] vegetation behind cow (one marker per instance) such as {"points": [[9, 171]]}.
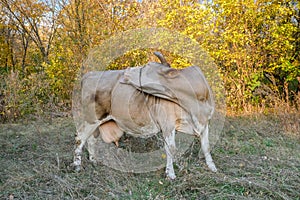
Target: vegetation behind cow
{"points": [[43, 44]]}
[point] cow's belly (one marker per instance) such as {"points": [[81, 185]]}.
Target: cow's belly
{"points": [[144, 131], [132, 112]]}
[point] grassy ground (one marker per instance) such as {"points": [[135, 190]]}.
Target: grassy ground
{"points": [[257, 158]]}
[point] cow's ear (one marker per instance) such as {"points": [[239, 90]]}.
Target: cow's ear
{"points": [[169, 72]]}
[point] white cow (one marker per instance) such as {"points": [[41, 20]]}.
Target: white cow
{"points": [[144, 101]]}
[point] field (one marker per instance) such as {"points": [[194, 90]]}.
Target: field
{"points": [[258, 157]]}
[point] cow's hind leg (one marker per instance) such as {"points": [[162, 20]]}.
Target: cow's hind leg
{"points": [[170, 148], [82, 136], [205, 148], [91, 144]]}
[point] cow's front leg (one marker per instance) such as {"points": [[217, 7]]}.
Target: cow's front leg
{"points": [[170, 149], [82, 136], [205, 148]]}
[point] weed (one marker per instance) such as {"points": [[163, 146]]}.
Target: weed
{"points": [[256, 158]]}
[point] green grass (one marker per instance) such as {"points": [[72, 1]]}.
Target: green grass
{"points": [[255, 157]]}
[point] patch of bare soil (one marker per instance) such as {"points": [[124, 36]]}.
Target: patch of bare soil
{"points": [[257, 158]]}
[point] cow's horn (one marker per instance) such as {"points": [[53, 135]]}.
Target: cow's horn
{"points": [[162, 58]]}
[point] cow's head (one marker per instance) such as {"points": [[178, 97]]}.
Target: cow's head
{"points": [[187, 87]]}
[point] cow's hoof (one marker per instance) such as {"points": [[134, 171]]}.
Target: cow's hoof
{"points": [[93, 161], [76, 168], [171, 177], [212, 167]]}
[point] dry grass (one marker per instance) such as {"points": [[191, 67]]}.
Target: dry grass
{"points": [[257, 159]]}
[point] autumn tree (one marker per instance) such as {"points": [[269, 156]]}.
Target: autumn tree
{"points": [[34, 20], [43, 44], [253, 42]]}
